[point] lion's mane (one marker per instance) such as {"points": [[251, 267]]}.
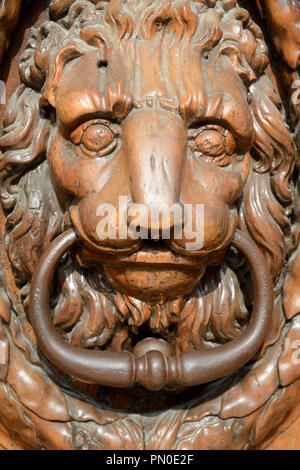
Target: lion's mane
{"points": [[88, 312]]}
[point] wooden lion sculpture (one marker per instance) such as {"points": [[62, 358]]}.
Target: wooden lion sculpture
{"points": [[149, 247]]}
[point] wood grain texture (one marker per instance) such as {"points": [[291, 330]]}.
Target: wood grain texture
{"points": [[9, 15], [289, 439]]}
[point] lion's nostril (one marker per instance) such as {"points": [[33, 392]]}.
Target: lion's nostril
{"points": [[102, 63], [155, 222]]}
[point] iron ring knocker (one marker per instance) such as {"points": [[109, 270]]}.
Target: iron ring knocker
{"points": [[154, 369]]}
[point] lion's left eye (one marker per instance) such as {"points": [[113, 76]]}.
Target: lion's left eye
{"points": [[210, 142], [213, 144]]}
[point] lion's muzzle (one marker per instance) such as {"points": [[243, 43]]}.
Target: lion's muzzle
{"points": [[150, 188]]}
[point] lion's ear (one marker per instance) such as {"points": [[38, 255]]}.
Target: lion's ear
{"points": [[34, 61], [65, 55]]}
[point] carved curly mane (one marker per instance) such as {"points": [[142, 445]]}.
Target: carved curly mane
{"points": [[90, 314]]}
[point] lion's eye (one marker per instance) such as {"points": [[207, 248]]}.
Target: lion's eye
{"points": [[214, 144], [210, 142], [97, 137]]}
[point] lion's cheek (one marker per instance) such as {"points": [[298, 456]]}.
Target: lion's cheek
{"points": [[209, 233], [81, 176], [100, 225], [202, 180]]}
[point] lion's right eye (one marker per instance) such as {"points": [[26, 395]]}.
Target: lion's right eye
{"points": [[211, 142], [95, 138]]}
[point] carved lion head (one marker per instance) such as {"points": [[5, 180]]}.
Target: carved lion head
{"points": [[158, 104]]}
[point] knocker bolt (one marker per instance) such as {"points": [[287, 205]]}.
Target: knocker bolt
{"points": [[152, 363]]}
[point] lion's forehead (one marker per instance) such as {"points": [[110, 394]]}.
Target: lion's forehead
{"points": [[175, 53]]}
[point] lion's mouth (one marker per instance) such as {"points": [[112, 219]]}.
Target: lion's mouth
{"points": [[154, 273], [151, 254]]}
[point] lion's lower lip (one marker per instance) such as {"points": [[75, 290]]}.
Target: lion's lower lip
{"points": [[156, 254]]}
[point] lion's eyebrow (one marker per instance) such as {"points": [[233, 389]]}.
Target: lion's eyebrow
{"points": [[76, 106]]}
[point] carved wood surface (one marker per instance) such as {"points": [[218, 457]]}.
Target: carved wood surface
{"points": [[162, 102], [9, 15]]}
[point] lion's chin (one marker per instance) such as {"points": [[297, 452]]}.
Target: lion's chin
{"points": [[153, 285]]}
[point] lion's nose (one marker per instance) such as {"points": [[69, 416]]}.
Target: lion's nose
{"points": [[154, 146]]}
